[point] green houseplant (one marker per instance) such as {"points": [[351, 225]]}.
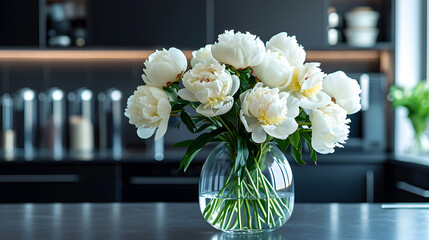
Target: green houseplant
{"points": [[416, 101]]}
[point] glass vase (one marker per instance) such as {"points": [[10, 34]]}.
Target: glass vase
{"points": [[256, 197]]}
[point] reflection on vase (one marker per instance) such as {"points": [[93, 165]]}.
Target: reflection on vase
{"points": [[259, 236], [259, 197]]}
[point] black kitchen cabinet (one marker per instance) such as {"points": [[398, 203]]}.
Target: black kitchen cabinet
{"points": [[306, 19], [159, 182], [151, 24], [336, 182], [407, 182], [19, 23], [338, 178], [148, 23], [57, 182]]}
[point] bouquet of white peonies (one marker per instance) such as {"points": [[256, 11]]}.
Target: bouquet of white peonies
{"points": [[245, 94]]}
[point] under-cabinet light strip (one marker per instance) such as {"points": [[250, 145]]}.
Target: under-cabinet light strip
{"points": [[143, 54]]}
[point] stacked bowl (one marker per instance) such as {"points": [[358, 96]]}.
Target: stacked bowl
{"points": [[362, 28]]}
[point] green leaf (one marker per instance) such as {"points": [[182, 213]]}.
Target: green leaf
{"points": [[171, 92], [203, 127], [185, 143], [294, 139], [307, 138], [242, 154], [302, 117], [178, 106], [186, 119], [296, 154], [196, 146], [283, 144]]}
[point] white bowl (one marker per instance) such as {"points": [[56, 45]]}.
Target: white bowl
{"points": [[362, 18], [361, 37]]}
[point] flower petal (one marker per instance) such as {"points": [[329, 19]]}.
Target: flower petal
{"points": [[211, 112], [259, 135], [145, 133], [187, 95], [164, 108], [207, 112], [235, 85], [283, 130], [178, 58], [162, 129], [292, 106], [316, 101]]}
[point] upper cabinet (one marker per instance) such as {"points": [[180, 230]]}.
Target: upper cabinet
{"points": [[368, 17], [305, 18], [149, 24], [19, 23]]}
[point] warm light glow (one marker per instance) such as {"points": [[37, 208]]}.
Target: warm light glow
{"points": [[143, 54], [78, 54], [342, 55]]}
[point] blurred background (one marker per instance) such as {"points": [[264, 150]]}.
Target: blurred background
{"points": [[68, 66]]}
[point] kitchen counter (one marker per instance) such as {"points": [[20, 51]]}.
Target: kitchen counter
{"points": [[184, 221], [174, 155]]}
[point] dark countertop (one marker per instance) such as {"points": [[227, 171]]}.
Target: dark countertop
{"points": [[174, 155], [184, 221]]}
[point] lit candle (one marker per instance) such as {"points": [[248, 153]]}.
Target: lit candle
{"points": [[8, 134], [8, 140], [81, 134]]}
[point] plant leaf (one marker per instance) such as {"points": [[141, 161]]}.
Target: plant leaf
{"points": [[179, 106], [242, 154], [196, 146], [186, 119], [283, 144], [199, 129], [307, 138], [294, 139], [184, 143], [296, 154]]}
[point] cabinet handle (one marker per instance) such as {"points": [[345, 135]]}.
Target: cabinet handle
{"points": [[28, 178], [370, 186], [364, 83], [158, 149], [412, 189], [164, 180]]}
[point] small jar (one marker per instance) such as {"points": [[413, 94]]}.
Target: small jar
{"points": [[81, 124], [52, 122], [25, 122], [8, 132], [110, 115]]}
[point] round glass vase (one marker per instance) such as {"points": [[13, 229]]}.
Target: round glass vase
{"points": [[257, 197]]}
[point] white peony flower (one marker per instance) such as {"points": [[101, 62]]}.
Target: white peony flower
{"points": [[343, 90], [164, 67], [238, 49], [148, 108], [266, 111], [293, 52], [329, 127], [274, 71], [306, 85], [211, 85], [202, 55]]}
